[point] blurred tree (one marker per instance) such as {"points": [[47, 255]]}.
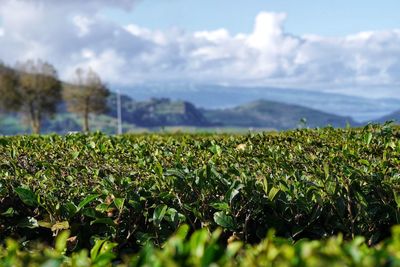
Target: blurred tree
{"points": [[10, 98], [32, 89], [87, 95]]}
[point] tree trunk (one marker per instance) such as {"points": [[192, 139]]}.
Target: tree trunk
{"points": [[86, 117], [36, 127], [35, 119], [86, 122]]}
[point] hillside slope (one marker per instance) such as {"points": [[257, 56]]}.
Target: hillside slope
{"points": [[270, 114], [210, 96], [165, 112], [394, 116], [157, 112]]}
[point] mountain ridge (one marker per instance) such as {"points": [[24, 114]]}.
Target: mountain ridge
{"points": [[216, 96], [394, 116], [163, 112], [272, 114]]}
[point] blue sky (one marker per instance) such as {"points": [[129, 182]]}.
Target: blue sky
{"points": [[324, 17], [343, 46]]}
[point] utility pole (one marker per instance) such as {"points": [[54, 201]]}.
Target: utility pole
{"points": [[119, 112]]}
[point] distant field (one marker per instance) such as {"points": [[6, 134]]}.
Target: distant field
{"points": [[13, 125], [202, 198], [209, 130]]}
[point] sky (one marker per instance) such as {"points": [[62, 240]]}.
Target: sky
{"points": [[326, 17], [350, 47]]}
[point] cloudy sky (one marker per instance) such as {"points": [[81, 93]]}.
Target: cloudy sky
{"points": [[338, 46]]}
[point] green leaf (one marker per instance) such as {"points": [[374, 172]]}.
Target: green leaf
{"points": [[397, 199], [101, 253], [107, 247], [119, 203], [89, 212], [75, 154], [223, 206], [232, 249], [107, 221], [159, 214], [71, 209], [27, 196], [272, 193], [216, 150], [198, 242], [102, 207], [326, 170], [104, 259], [211, 255], [92, 144], [45, 224], [52, 263], [364, 162], [8, 213], [61, 241], [159, 170], [235, 190], [172, 216], [368, 138], [86, 201], [96, 248], [224, 220], [175, 173], [182, 232]]}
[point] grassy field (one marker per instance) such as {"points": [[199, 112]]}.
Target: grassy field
{"points": [[297, 198]]}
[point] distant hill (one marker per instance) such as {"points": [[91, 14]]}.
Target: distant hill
{"points": [[210, 96], [157, 112], [260, 114], [164, 112], [143, 114], [269, 114], [394, 116]]}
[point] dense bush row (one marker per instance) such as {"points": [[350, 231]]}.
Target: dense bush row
{"points": [[136, 189], [205, 249]]}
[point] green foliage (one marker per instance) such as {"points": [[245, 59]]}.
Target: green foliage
{"points": [[203, 249], [10, 98], [27, 196], [33, 89], [137, 190]]}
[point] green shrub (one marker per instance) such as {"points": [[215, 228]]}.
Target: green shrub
{"points": [[205, 249], [138, 189]]}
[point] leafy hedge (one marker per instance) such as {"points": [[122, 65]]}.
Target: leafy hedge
{"points": [[205, 249], [136, 189]]}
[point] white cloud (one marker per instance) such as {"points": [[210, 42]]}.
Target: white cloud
{"points": [[108, 63], [83, 24], [268, 31], [87, 54], [213, 36], [154, 36], [72, 35]]}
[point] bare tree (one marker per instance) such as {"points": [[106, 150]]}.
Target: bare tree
{"points": [[88, 95]]}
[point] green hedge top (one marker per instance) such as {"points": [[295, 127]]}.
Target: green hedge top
{"points": [[133, 189]]}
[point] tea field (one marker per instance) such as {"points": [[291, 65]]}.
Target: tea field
{"points": [[322, 197]]}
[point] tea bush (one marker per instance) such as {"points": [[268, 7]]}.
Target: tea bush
{"points": [[135, 190], [206, 249]]}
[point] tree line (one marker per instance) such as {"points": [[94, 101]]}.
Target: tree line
{"points": [[33, 89]]}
